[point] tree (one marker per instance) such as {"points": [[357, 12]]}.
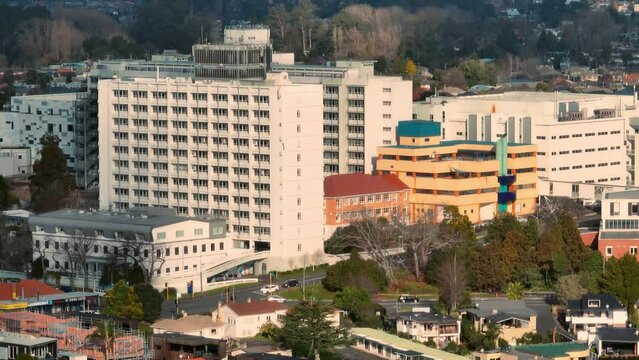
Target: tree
{"points": [[151, 300], [74, 253], [530, 338], [355, 272], [451, 281], [105, 333], [304, 14], [514, 290], [51, 181], [357, 302], [306, 329], [568, 287], [6, 200], [123, 301], [411, 69], [139, 252], [279, 20], [620, 279], [421, 239]]}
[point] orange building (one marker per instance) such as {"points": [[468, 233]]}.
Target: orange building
{"points": [[349, 197]]}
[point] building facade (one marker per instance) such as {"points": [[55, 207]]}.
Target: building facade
{"points": [[351, 197], [172, 250], [360, 112], [249, 152], [593, 311], [63, 115], [246, 319], [580, 137], [16, 161], [619, 229], [425, 327], [480, 178]]}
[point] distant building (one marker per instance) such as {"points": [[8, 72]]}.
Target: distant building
{"points": [[480, 178], [512, 318], [174, 250], [244, 320], [620, 341], [15, 161], [619, 229], [40, 348], [593, 311], [424, 327], [350, 197], [67, 116], [554, 351], [580, 138]]}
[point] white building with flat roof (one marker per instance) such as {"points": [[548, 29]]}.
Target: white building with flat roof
{"points": [[64, 115], [360, 113], [580, 137], [247, 151], [172, 250]]}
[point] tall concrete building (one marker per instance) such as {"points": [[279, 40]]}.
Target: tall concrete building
{"points": [[65, 115], [361, 111], [247, 151], [580, 138]]}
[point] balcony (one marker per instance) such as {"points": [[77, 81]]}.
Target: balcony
{"points": [[331, 135], [506, 180], [331, 96], [331, 161], [506, 197], [356, 122], [332, 109], [355, 148], [356, 161], [355, 135], [356, 109], [355, 96]]}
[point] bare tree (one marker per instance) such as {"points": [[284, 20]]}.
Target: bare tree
{"points": [[279, 19], [420, 239], [304, 14], [550, 207], [378, 240], [75, 253], [451, 281], [140, 251], [317, 257]]}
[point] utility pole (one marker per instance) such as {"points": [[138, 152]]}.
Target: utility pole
{"points": [[304, 281]]}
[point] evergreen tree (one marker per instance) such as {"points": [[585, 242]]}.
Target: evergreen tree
{"points": [[122, 301], [51, 181], [620, 279]]}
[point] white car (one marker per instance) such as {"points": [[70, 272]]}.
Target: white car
{"points": [[269, 289], [276, 298]]}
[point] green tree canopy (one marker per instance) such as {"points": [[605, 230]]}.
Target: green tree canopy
{"points": [[358, 303], [355, 272], [620, 280], [151, 300], [306, 329], [123, 301], [51, 181]]}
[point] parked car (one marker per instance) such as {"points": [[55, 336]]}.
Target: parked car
{"points": [[276, 298], [290, 283], [405, 298], [269, 289], [220, 277]]}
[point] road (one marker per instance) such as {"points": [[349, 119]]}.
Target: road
{"points": [[205, 304]]}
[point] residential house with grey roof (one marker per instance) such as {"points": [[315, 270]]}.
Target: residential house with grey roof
{"points": [[512, 317], [594, 311]]}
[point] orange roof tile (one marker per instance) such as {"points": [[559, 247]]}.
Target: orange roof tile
{"points": [[359, 184]]}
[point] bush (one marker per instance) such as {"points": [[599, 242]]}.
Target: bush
{"points": [[355, 272]]}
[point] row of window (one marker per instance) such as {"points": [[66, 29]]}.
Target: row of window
{"points": [[353, 215], [578, 151], [600, 133], [143, 94], [632, 250], [162, 180], [368, 199], [183, 110]]}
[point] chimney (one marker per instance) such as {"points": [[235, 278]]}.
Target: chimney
{"points": [[248, 300], [219, 311]]}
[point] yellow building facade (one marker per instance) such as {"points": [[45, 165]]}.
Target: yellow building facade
{"points": [[476, 177]]}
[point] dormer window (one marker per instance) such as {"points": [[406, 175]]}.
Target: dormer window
{"points": [[594, 303]]}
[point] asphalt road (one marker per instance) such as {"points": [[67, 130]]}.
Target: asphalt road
{"points": [[205, 304]]}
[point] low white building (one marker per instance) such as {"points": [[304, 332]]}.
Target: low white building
{"points": [[594, 311], [172, 250], [424, 327], [245, 319], [15, 161]]}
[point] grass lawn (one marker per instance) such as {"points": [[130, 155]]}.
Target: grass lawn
{"points": [[316, 291], [297, 273]]}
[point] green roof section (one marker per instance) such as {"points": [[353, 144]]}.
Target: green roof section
{"points": [[450, 143], [552, 350], [419, 128], [404, 344]]}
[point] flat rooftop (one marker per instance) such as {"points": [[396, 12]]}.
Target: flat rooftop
{"points": [[527, 96]]}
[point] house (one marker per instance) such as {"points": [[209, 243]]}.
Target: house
{"points": [[12, 344], [424, 327], [171, 346], [594, 311], [614, 341], [197, 325], [245, 319], [512, 317], [619, 230]]}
